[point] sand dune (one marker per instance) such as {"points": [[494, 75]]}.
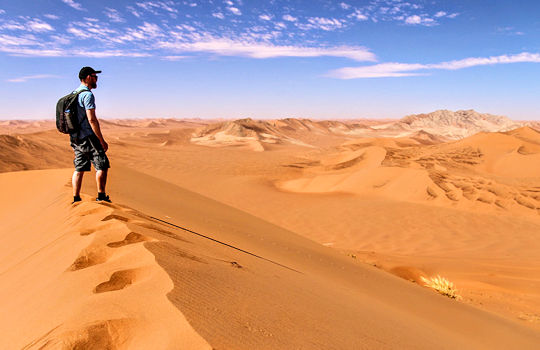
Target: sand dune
{"points": [[479, 170], [312, 246], [80, 277], [92, 280], [253, 134], [39, 150]]}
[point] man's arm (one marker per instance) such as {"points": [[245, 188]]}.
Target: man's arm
{"points": [[94, 124]]}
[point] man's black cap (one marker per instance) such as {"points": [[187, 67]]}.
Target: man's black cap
{"points": [[86, 71]]}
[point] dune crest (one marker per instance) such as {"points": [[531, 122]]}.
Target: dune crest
{"points": [[89, 283]]}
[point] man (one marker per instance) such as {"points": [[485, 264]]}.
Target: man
{"points": [[88, 143]]}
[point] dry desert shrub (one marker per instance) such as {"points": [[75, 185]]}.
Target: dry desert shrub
{"points": [[442, 285]]}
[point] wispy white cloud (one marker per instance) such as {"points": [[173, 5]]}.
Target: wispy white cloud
{"points": [[145, 32], [412, 69], [266, 17], [30, 48], [2, 12], [28, 24], [482, 61], [51, 16], [401, 11], [18, 41], [218, 15], [509, 31], [34, 52], [422, 20], [60, 40], [230, 47], [113, 15], [359, 15], [133, 11], [235, 10], [37, 25], [376, 71], [186, 27], [155, 6], [345, 6], [74, 5], [90, 29], [80, 33], [289, 18], [12, 25], [327, 24], [173, 58], [32, 77], [108, 53]]}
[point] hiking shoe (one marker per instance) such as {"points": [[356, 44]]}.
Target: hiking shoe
{"points": [[76, 199], [103, 199]]}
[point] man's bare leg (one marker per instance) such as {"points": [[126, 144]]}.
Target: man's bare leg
{"points": [[76, 182], [101, 180]]}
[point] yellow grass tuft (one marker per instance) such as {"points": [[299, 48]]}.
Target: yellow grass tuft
{"points": [[442, 285]]}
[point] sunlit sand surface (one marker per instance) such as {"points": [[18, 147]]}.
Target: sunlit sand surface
{"points": [[278, 234]]}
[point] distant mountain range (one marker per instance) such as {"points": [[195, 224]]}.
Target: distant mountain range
{"points": [[443, 125], [434, 127], [453, 125]]}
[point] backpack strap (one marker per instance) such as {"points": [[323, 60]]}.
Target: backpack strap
{"points": [[78, 92]]}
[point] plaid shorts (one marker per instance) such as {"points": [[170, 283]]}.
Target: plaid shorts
{"points": [[88, 150]]}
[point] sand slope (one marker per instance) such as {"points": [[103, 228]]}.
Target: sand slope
{"points": [[238, 301], [79, 277], [489, 251], [82, 276]]}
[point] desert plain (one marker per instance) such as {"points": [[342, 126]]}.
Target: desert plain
{"points": [[275, 234]]}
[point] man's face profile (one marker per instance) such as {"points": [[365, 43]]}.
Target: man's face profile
{"points": [[91, 80]]}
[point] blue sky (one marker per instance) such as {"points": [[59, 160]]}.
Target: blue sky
{"points": [[273, 59]]}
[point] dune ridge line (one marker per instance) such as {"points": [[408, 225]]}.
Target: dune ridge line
{"points": [[89, 282]]}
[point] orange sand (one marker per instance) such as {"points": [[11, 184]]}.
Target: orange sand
{"points": [[318, 237]]}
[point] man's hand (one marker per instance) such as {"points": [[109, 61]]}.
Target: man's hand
{"points": [[94, 124], [105, 145]]}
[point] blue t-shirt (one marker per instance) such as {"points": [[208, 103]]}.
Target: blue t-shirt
{"points": [[86, 101]]}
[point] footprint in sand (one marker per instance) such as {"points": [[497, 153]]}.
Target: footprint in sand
{"points": [[86, 232], [118, 280], [115, 217], [94, 211], [106, 334], [131, 238], [90, 257]]}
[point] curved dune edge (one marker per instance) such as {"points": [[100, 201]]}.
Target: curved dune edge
{"points": [[490, 172], [87, 283]]}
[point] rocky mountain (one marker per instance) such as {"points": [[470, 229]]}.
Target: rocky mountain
{"points": [[455, 125]]}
